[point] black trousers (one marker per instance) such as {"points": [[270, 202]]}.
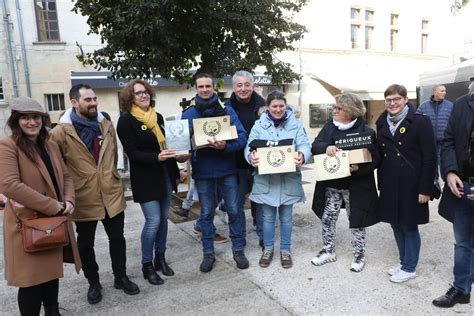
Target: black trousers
{"points": [[30, 298], [117, 248]]}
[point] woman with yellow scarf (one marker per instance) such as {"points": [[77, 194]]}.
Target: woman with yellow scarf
{"points": [[153, 172]]}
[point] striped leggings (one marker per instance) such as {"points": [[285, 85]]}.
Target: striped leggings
{"points": [[334, 199]]}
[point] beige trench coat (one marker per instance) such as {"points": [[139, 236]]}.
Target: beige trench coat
{"points": [[98, 185], [30, 194]]}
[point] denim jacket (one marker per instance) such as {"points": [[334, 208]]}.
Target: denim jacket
{"points": [[283, 188]]}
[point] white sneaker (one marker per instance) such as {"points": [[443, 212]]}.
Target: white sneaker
{"points": [[323, 257], [393, 270], [402, 276], [358, 262]]}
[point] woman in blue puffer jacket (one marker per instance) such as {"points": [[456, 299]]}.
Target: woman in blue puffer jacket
{"points": [[278, 126]]}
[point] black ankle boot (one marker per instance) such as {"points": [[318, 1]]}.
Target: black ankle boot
{"points": [[51, 310], [160, 264], [150, 274]]}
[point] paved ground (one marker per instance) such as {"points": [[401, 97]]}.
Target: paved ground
{"points": [[304, 289]]}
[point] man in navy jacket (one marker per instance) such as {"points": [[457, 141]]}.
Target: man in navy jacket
{"points": [[214, 169], [438, 109]]}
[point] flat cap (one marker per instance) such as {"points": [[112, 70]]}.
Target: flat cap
{"points": [[25, 104]]}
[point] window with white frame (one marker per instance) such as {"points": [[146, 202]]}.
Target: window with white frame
{"points": [[54, 102], [369, 28], [393, 31], [355, 27], [47, 20], [424, 36], [362, 20]]}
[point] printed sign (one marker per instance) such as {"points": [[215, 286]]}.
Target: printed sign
{"points": [[217, 128], [278, 159], [332, 167]]}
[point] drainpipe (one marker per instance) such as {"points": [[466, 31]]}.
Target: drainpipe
{"points": [[6, 25], [23, 49]]}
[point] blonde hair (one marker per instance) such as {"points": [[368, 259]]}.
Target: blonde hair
{"points": [[351, 104]]}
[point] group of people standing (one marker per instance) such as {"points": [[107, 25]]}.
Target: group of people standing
{"points": [[72, 171]]}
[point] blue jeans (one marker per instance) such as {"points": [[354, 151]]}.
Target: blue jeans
{"points": [[155, 230], [286, 225], [463, 226], [409, 244], [259, 220], [207, 190]]}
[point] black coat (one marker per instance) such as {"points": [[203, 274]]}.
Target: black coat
{"points": [[454, 149], [361, 184], [142, 148], [248, 114], [400, 182]]}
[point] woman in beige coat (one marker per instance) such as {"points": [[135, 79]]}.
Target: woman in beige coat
{"points": [[36, 183]]}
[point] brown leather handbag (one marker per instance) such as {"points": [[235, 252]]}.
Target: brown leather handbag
{"points": [[44, 233]]}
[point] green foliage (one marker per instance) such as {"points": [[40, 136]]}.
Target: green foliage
{"points": [[143, 38]]}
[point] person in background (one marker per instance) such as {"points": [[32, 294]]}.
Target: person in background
{"points": [[278, 192], [37, 184], [438, 109], [457, 201], [88, 144], [358, 192], [153, 172], [406, 145]]}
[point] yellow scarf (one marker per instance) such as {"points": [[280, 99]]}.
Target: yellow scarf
{"points": [[150, 121]]}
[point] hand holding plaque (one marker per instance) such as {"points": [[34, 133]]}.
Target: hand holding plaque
{"points": [[278, 159], [211, 128]]}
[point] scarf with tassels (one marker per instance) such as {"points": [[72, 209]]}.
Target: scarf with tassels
{"points": [[150, 120]]}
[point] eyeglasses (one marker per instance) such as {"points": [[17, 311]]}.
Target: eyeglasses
{"points": [[142, 94], [337, 108], [396, 100]]}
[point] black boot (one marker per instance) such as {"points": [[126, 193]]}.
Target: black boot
{"points": [[150, 274], [160, 264], [51, 310]]}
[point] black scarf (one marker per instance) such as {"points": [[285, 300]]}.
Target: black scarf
{"points": [[210, 107]]}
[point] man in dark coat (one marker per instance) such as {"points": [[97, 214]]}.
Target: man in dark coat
{"points": [[247, 104], [456, 205]]}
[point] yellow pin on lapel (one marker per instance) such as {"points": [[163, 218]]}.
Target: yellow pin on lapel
{"points": [[101, 142], [144, 128], [403, 130]]}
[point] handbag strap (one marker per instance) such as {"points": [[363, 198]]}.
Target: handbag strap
{"points": [[404, 158]]}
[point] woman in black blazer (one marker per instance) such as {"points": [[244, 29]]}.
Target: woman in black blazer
{"points": [[405, 141], [153, 172]]}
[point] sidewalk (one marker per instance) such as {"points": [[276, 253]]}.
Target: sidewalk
{"points": [[303, 289]]}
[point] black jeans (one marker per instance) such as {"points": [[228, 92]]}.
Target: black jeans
{"points": [[30, 298], [117, 248]]}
